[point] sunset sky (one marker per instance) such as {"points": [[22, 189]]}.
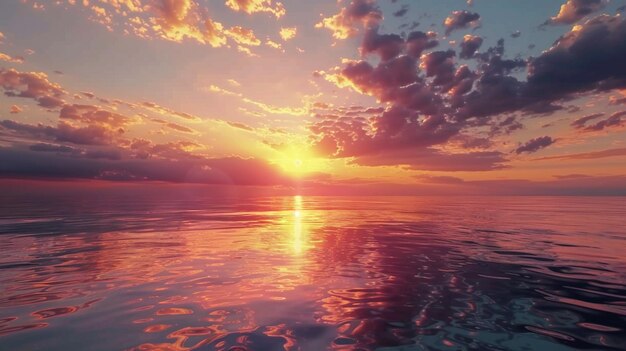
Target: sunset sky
{"points": [[385, 96]]}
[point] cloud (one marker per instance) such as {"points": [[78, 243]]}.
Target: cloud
{"points": [[243, 36], [469, 45], [179, 128], [579, 123], [240, 126], [63, 132], [34, 85], [574, 10], [460, 20], [106, 154], [173, 150], [505, 126], [167, 111], [215, 89], [571, 176], [246, 51], [588, 155], [253, 6], [418, 41], [110, 164], [287, 33], [294, 111], [430, 98], [175, 20], [428, 159], [93, 115], [387, 46], [15, 109], [586, 59], [589, 57], [358, 12], [402, 11], [535, 144], [11, 59], [617, 100], [280, 110], [42, 147], [614, 120], [273, 44], [438, 179]]}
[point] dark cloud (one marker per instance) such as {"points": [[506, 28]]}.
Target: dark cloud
{"points": [[459, 20], [469, 45], [409, 26], [534, 145], [591, 57], [63, 132], [614, 120], [439, 65], [402, 11], [418, 41], [42, 147], [431, 98], [579, 123], [18, 163], [505, 126], [574, 10], [387, 46], [33, 85], [466, 141], [106, 154]]}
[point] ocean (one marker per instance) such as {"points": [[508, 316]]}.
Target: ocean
{"points": [[202, 268]]}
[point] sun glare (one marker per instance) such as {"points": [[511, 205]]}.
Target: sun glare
{"points": [[298, 160]]}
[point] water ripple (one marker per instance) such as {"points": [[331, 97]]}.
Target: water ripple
{"points": [[206, 272]]}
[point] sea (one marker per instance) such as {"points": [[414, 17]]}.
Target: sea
{"points": [[175, 268]]}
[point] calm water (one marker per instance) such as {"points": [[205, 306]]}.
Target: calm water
{"points": [[207, 270]]}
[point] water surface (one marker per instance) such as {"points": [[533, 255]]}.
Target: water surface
{"points": [[210, 270]]}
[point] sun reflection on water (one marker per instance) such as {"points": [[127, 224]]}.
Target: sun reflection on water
{"points": [[298, 244]]}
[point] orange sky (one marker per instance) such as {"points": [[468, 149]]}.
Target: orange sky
{"points": [[317, 94]]}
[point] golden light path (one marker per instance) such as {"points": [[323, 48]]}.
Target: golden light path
{"points": [[298, 244]]}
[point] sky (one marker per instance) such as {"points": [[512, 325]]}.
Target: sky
{"points": [[361, 96]]}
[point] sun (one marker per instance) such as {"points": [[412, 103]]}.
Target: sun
{"points": [[298, 161], [295, 165]]}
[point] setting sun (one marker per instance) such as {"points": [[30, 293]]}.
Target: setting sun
{"points": [[299, 160]]}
